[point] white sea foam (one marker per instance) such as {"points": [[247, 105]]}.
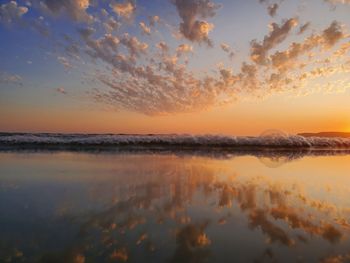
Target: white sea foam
{"points": [[286, 141]]}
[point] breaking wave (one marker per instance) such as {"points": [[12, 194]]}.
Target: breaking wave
{"points": [[173, 140]]}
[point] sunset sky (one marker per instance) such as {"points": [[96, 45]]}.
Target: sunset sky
{"points": [[175, 66]]}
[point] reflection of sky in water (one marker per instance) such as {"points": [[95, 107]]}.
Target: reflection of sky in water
{"points": [[75, 207]]}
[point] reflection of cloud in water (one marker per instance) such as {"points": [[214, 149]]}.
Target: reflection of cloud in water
{"points": [[336, 259], [191, 243], [174, 206], [265, 205]]}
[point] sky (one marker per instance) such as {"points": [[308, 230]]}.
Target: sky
{"points": [[174, 66]]}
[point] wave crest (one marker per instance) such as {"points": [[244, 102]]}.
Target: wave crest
{"points": [[265, 141]]}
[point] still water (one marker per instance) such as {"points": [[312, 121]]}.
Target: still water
{"points": [[148, 207]]}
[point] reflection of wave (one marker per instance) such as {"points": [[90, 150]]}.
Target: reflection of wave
{"points": [[171, 140], [270, 157], [274, 162]]}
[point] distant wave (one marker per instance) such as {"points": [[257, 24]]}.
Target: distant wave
{"points": [[172, 140]]}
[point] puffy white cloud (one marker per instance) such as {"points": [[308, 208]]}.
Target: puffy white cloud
{"points": [[189, 11], [11, 12]]}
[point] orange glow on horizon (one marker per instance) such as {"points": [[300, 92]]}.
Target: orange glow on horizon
{"points": [[291, 116]]}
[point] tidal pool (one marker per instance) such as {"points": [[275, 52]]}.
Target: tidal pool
{"points": [[168, 207]]}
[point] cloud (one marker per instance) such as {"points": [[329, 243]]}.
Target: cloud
{"points": [[125, 9], [248, 77], [11, 12], [61, 90], [344, 48], [86, 32], [332, 34], [65, 62], [8, 79], [135, 47], [272, 9], [163, 46], [133, 75], [304, 27], [160, 83], [145, 29], [228, 77], [157, 81], [160, 90], [226, 48], [111, 24], [191, 28], [153, 20], [286, 60], [183, 49], [40, 26], [334, 2], [106, 49], [76, 9], [277, 35]]}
